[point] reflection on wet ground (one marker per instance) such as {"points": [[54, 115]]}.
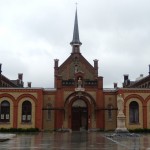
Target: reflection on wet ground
{"points": [[75, 141]]}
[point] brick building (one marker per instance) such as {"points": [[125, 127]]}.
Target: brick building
{"points": [[77, 102]]}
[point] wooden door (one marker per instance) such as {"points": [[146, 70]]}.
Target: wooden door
{"points": [[79, 118]]}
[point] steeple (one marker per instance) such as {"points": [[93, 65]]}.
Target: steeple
{"points": [[76, 41]]}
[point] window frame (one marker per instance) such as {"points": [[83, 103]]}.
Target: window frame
{"points": [[5, 111], [26, 115], [109, 114], [134, 112]]}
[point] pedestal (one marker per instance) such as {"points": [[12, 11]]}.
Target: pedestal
{"points": [[121, 128]]}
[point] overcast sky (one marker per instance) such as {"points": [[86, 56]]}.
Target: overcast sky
{"points": [[35, 32]]}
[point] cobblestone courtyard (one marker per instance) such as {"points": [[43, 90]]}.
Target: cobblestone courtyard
{"points": [[75, 141]]}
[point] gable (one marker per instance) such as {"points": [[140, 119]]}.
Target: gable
{"points": [[75, 64]]}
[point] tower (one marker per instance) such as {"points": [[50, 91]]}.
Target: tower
{"points": [[75, 43], [75, 80]]}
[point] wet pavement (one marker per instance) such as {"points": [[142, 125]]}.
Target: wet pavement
{"points": [[4, 137], [75, 141]]}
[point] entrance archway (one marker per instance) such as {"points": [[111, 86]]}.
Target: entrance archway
{"points": [[79, 113]]}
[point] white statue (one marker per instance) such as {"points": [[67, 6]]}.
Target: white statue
{"points": [[120, 103], [121, 119], [79, 83], [76, 69]]}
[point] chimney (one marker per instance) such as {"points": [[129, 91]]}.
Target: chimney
{"points": [[141, 75], [29, 84], [0, 68], [149, 69], [96, 67], [20, 76], [126, 77], [56, 63], [95, 63], [126, 80], [115, 85]]}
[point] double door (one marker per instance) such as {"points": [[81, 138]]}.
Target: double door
{"points": [[79, 118]]}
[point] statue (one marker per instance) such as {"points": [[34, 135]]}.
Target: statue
{"points": [[79, 83], [76, 69], [121, 125], [120, 103]]}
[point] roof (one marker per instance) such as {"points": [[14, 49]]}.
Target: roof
{"points": [[110, 89], [76, 39], [8, 81], [140, 82]]}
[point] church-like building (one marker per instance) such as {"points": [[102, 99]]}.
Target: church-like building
{"points": [[78, 100]]}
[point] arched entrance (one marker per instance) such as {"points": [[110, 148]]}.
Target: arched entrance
{"points": [[79, 113], [78, 106]]}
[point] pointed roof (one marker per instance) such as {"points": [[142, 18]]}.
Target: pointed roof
{"points": [[76, 40]]}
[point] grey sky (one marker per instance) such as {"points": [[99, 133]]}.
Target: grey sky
{"points": [[35, 32]]}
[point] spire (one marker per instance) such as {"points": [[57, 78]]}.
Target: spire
{"points": [[76, 40]]}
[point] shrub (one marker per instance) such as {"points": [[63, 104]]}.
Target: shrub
{"points": [[19, 130], [140, 130]]}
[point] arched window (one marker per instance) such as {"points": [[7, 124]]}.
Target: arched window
{"points": [[134, 112], [49, 105], [26, 111], [109, 111], [5, 111]]}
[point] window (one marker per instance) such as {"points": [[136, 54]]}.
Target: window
{"points": [[49, 105], [109, 111], [26, 111], [5, 111], [148, 84], [134, 112]]}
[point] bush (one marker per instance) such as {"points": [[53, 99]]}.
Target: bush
{"points": [[139, 130], [19, 130]]}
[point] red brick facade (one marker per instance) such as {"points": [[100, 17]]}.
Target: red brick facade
{"points": [[78, 100]]}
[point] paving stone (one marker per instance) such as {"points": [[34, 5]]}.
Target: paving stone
{"points": [[75, 141]]}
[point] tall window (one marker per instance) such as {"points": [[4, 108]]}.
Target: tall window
{"points": [[5, 111], [49, 105], [26, 111], [109, 111], [134, 112]]}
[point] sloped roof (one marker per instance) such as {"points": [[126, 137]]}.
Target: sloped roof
{"points": [[140, 82], [8, 81]]}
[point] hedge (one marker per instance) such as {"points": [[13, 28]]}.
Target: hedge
{"points": [[19, 130]]}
